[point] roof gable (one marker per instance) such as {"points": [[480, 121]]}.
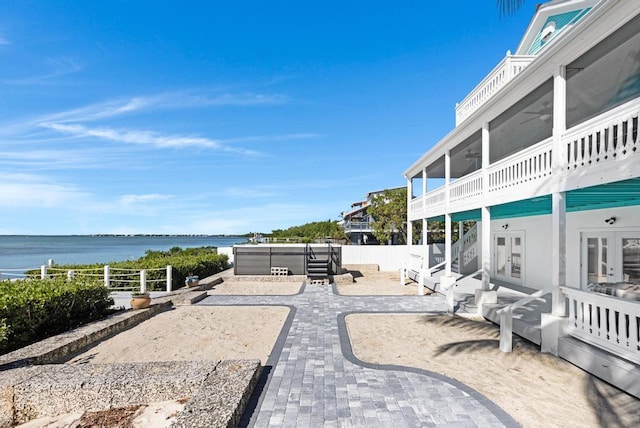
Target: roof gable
{"points": [[550, 21]]}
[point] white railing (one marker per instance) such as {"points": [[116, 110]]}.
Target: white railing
{"points": [[506, 70], [608, 322], [351, 226], [614, 135], [470, 186], [611, 136], [116, 279], [467, 245], [435, 197], [416, 204], [531, 164], [506, 317]]}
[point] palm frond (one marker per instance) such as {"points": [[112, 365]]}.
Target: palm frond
{"points": [[509, 7]]}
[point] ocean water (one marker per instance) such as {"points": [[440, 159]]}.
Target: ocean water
{"points": [[28, 251]]}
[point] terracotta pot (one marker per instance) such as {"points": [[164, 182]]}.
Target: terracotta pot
{"points": [[140, 302]]}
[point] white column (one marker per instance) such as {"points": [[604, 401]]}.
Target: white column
{"points": [[426, 259], [447, 217], [485, 243], [555, 324], [559, 205], [409, 213], [461, 251], [448, 242], [485, 227]]}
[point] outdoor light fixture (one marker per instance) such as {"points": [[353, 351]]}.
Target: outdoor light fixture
{"points": [[610, 220], [505, 226]]}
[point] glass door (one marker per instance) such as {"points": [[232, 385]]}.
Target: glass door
{"points": [[610, 257], [509, 256]]}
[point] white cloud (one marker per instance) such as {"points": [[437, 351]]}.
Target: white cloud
{"points": [[171, 100], [60, 66], [27, 190], [143, 138]]}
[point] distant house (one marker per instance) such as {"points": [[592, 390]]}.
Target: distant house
{"points": [[545, 158], [358, 223]]}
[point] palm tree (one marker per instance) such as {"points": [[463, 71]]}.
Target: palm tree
{"points": [[508, 7]]}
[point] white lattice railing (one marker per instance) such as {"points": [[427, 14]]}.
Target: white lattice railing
{"points": [[614, 135], [416, 205], [506, 70], [609, 137], [470, 186], [531, 164], [435, 197], [467, 245], [610, 323]]}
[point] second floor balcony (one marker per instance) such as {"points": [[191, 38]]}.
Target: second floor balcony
{"points": [[502, 74], [602, 150]]}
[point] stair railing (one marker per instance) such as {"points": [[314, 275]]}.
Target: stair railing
{"points": [[506, 317]]}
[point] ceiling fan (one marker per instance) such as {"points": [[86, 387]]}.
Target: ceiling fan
{"points": [[544, 114], [472, 155]]}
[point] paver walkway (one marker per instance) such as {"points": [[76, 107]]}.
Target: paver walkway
{"points": [[315, 379]]}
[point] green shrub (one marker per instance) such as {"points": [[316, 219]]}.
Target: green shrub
{"points": [[200, 261], [31, 310]]}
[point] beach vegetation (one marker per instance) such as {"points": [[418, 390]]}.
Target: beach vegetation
{"points": [[199, 261], [389, 213], [310, 232], [31, 310]]}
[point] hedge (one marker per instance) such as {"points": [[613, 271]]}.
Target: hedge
{"points": [[201, 261], [31, 310]]}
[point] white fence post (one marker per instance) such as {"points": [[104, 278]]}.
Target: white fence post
{"points": [[43, 271], [106, 275], [169, 278], [71, 274], [143, 281]]}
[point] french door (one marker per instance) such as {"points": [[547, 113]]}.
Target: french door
{"points": [[610, 257], [508, 254]]}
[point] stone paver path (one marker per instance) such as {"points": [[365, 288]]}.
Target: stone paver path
{"points": [[315, 380]]}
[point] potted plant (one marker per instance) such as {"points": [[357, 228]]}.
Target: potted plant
{"points": [[192, 281], [140, 300]]}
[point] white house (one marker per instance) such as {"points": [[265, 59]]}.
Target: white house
{"points": [[545, 157]]}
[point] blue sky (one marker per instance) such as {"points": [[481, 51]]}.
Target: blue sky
{"points": [[226, 117]]}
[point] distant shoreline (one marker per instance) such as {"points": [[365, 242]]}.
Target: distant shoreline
{"points": [[168, 235]]}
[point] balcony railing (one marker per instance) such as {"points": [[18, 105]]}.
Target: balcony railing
{"points": [[506, 70], [602, 145], [610, 323], [357, 226]]}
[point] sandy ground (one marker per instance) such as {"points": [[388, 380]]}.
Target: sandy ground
{"points": [[256, 288], [181, 334], [378, 284], [535, 389], [195, 333]]}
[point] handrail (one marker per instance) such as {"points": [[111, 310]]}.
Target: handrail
{"points": [[506, 317]]}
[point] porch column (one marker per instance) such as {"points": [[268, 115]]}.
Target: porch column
{"points": [[485, 227], [461, 250], [409, 213], [559, 205], [447, 217], [485, 294], [555, 325], [558, 251]]}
